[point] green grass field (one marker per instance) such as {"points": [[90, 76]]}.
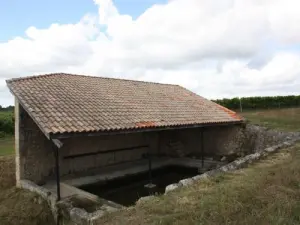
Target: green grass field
{"points": [[6, 146], [282, 119]]}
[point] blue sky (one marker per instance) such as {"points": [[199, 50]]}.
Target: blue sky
{"points": [[17, 15]]}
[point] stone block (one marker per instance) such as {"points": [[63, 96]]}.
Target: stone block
{"points": [[79, 216], [186, 182], [172, 187], [200, 177], [144, 199]]}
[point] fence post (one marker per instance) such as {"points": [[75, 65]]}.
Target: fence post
{"points": [[241, 107]]}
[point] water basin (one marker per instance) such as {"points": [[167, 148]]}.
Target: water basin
{"points": [[127, 190]]}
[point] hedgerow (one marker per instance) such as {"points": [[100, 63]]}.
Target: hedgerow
{"points": [[6, 123], [261, 102]]}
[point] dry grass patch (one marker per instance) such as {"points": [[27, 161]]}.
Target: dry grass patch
{"points": [[7, 172], [19, 206], [282, 119], [266, 193]]}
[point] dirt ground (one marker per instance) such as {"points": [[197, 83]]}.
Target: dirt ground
{"points": [[19, 207]]}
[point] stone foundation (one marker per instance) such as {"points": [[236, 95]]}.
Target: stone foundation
{"points": [[66, 211]]}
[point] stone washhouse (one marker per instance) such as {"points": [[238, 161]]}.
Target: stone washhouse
{"points": [[75, 130]]}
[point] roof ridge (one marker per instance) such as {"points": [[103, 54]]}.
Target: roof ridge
{"points": [[82, 75], [30, 77]]}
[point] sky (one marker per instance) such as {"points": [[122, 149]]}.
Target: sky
{"points": [[230, 49]]}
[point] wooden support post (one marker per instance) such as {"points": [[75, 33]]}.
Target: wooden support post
{"points": [[150, 168], [202, 149], [57, 173], [150, 184]]}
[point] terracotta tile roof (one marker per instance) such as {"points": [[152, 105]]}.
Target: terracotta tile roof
{"points": [[63, 103]]}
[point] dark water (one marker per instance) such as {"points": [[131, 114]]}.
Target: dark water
{"points": [[126, 191]]}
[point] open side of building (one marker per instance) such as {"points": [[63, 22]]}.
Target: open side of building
{"points": [[77, 130], [36, 159]]}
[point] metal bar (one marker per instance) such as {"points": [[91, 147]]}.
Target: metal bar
{"points": [[241, 107], [57, 173], [158, 150], [150, 168], [202, 149], [105, 152]]}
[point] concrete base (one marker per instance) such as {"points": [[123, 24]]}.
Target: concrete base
{"points": [[75, 214], [72, 214]]}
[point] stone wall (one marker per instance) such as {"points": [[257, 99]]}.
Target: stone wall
{"points": [[84, 153], [254, 138], [34, 154], [221, 140], [217, 140]]}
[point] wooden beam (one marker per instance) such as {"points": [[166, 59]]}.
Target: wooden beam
{"points": [[57, 173], [105, 151], [202, 149]]}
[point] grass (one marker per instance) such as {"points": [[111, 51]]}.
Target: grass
{"points": [[282, 119], [6, 146]]}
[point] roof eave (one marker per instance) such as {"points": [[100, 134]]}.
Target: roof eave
{"points": [[139, 130]]}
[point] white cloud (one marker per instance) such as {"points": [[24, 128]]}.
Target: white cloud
{"points": [[217, 50]]}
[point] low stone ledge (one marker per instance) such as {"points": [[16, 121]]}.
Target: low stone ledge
{"points": [[79, 216], [144, 199], [75, 215], [29, 185], [200, 176], [237, 164], [41, 191], [186, 182], [172, 187], [95, 216]]}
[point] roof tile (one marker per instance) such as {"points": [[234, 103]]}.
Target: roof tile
{"points": [[63, 103]]}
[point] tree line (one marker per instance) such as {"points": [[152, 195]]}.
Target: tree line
{"points": [[6, 121], [270, 102]]}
